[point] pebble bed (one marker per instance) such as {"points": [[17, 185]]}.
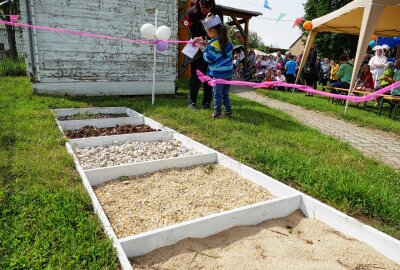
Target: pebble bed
{"points": [[130, 152], [91, 131]]}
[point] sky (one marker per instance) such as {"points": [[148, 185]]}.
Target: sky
{"points": [[278, 34]]}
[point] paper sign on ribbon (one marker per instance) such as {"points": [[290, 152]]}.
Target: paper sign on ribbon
{"points": [[190, 50]]}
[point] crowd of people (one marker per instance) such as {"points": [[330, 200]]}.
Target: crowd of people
{"points": [[218, 59], [375, 73]]}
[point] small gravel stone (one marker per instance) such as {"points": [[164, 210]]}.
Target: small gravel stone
{"points": [[171, 196], [130, 152]]}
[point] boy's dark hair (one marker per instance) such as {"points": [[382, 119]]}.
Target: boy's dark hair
{"points": [[207, 3], [343, 58], [291, 57]]}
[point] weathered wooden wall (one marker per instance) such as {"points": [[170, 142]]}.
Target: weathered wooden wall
{"points": [[82, 65]]}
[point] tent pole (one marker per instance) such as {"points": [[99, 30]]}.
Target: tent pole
{"points": [[309, 43], [372, 14]]}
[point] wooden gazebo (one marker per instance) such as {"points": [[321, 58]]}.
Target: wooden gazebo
{"points": [[240, 18]]}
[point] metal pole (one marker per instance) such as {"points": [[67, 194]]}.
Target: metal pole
{"points": [[153, 90], [31, 39], [347, 101]]}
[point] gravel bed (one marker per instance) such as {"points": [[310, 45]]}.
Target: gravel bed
{"points": [[90, 131], [130, 152], [84, 116], [293, 242], [139, 204]]}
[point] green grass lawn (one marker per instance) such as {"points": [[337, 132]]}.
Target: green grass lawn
{"points": [[367, 117], [46, 216]]}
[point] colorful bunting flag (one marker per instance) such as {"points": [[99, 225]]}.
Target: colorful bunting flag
{"points": [[280, 16], [266, 5], [297, 22]]}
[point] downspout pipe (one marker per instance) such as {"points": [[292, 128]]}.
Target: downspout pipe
{"points": [[31, 38]]}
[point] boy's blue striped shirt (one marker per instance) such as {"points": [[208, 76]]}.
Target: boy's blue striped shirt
{"points": [[220, 64]]}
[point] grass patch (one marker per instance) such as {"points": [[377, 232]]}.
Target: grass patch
{"points": [[12, 67], [46, 217], [367, 117]]}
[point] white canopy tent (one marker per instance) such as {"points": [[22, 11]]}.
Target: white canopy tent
{"points": [[258, 52], [360, 17]]}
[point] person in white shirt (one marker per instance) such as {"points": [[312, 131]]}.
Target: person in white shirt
{"points": [[377, 64], [271, 63], [279, 78], [264, 65]]}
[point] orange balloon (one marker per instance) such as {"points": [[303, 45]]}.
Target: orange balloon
{"points": [[374, 37], [307, 25]]}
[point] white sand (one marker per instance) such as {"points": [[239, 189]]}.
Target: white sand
{"points": [[291, 243]]}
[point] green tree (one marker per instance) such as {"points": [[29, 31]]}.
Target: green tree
{"points": [[330, 45], [10, 8], [263, 48], [255, 40]]}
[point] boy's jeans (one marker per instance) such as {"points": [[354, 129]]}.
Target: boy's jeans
{"points": [[221, 96]]}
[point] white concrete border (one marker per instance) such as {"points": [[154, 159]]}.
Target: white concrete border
{"points": [[383, 243], [96, 110], [134, 137], [143, 243], [102, 175], [123, 259], [101, 123], [312, 208]]}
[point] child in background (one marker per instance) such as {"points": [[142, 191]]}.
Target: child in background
{"points": [[386, 76], [218, 55], [365, 82], [280, 78], [334, 69], [268, 76]]}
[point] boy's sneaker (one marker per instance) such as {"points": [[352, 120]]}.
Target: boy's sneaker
{"points": [[206, 106], [228, 114], [216, 115], [193, 106]]}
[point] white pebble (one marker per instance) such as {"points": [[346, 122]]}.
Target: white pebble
{"points": [[130, 152]]}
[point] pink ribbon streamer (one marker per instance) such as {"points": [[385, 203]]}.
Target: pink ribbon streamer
{"points": [[85, 34], [372, 96]]}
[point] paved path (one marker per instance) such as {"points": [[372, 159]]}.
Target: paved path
{"points": [[374, 143]]}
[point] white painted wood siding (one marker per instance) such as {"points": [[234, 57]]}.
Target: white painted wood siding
{"points": [[65, 58]]}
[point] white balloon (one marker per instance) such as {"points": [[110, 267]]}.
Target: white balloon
{"points": [[163, 32], [148, 31]]}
